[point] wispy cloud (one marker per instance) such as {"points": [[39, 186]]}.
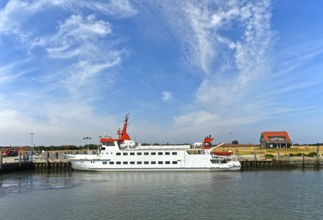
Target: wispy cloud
{"points": [[230, 43], [71, 60], [80, 39], [167, 96], [119, 8], [76, 36]]}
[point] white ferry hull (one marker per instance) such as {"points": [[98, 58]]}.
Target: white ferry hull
{"points": [[181, 162], [158, 169]]}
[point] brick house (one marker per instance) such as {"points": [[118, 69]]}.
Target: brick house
{"points": [[275, 139]]}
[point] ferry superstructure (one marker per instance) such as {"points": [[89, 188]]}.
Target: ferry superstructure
{"points": [[124, 154]]}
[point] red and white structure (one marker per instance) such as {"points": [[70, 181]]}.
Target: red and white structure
{"points": [[124, 154]]}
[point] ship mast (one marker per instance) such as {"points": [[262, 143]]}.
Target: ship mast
{"points": [[207, 142], [123, 135]]}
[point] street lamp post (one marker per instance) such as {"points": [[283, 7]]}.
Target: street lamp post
{"points": [[88, 143]]}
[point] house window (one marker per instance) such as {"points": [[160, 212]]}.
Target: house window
{"points": [[104, 162], [153, 153], [174, 162], [167, 153], [139, 162], [146, 153], [153, 162], [118, 162], [160, 162], [111, 162], [125, 154], [125, 162], [146, 162], [174, 153], [167, 162], [160, 153], [118, 154], [139, 153], [132, 153], [132, 162]]}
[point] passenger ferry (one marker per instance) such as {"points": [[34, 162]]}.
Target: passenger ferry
{"points": [[124, 154]]}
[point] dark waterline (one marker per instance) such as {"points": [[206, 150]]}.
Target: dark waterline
{"points": [[167, 195]]}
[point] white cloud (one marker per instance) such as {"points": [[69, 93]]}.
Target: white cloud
{"points": [[11, 14], [120, 8], [75, 36], [203, 42], [12, 71], [16, 13], [5, 73], [195, 119], [167, 96], [84, 79]]}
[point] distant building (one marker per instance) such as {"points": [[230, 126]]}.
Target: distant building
{"points": [[275, 139]]}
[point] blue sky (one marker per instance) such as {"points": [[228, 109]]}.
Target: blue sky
{"points": [[182, 69]]}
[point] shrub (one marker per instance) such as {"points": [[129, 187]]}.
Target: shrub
{"points": [[312, 154], [269, 156]]}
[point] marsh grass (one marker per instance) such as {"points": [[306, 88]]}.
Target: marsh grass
{"points": [[283, 152]]}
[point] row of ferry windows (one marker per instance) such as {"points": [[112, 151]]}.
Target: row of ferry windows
{"points": [[146, 153], [139, 162]]}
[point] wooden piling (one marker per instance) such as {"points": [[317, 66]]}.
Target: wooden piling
{"points": [[47, 158], [0, 159], [303, 161], [318, 155], [19, 155]]}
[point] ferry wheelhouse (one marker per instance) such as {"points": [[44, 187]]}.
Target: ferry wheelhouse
{"points": [[124, 154]]}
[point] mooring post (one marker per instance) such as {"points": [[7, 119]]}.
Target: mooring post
{"points": [[255, 157], [0, 159], [47, 157], [318, 155], [19, 155], [303, 162], [288, 160]]}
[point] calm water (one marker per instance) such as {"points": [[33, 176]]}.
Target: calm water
{"points": [[166, 195]]}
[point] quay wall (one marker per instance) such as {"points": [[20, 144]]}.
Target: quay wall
{"points": [[55, 160], [46, 160], [274, 164]]}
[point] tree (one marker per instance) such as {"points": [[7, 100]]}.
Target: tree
{"points": [[235, 142]]}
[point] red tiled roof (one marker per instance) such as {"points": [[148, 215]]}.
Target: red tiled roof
{"points": [[268, 134]]}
